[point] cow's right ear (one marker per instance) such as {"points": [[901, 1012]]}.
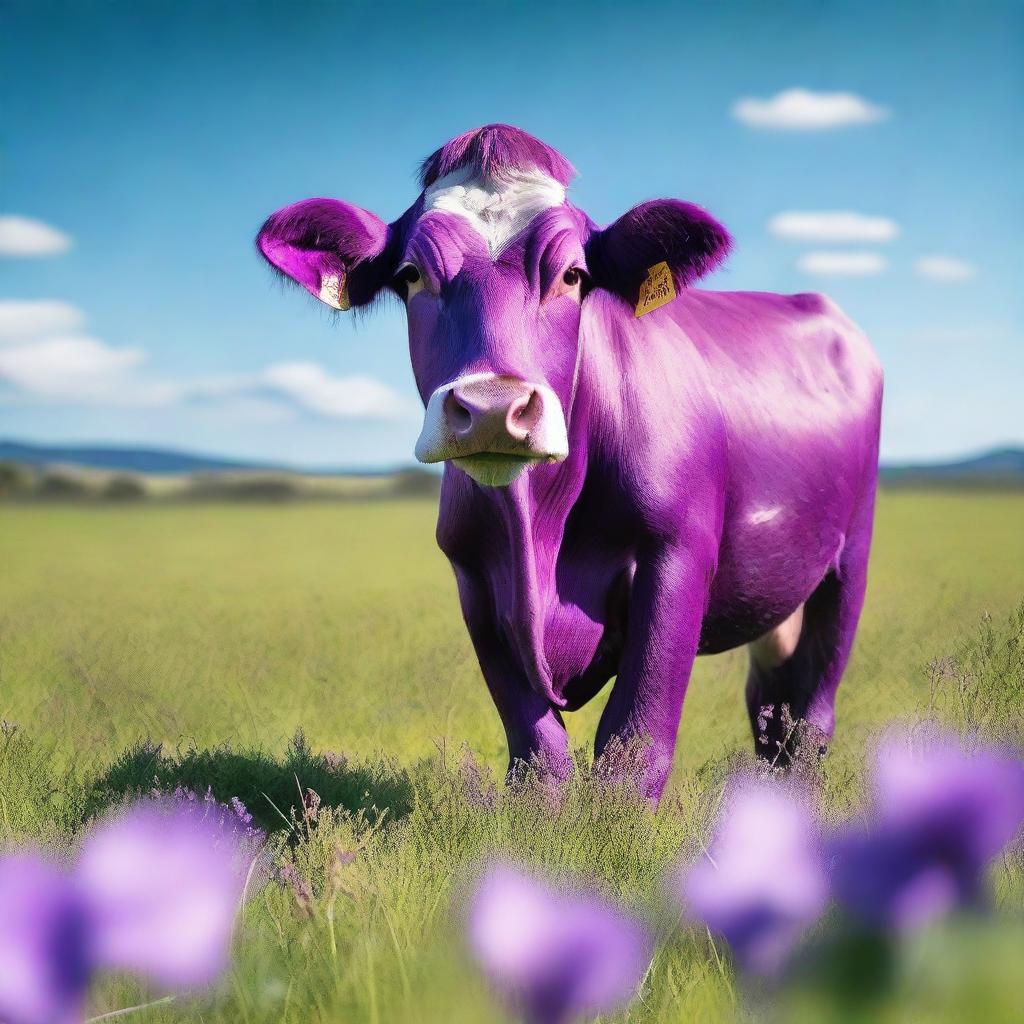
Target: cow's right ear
{"points": [[336, 251]]}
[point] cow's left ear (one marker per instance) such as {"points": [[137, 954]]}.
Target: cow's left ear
{"points": [[336, 251], [670, 231]]}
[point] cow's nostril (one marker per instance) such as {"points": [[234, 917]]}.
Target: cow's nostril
{"points": [[459, 417], [525, 409], [524, 413]]}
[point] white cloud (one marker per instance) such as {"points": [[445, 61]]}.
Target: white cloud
{"points": [[44, 356], [23, 236], [305, 386], [314, 389], [803, 110], [835, 263], [78, 368], [21, 320], [832, 226], [944, 269]]}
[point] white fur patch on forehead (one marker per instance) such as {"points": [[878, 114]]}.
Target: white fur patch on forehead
{"points": [[497, 208]]}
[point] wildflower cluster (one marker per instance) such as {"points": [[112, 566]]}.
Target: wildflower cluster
{"points": [[233, 817], [154, 890], [939, 815]]}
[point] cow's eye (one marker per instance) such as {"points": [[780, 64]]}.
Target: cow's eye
{"points": [[408, 280], [572, 277]]}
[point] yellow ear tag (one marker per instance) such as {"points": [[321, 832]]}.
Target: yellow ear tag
{"points": [[657, 290], [334, 291]]}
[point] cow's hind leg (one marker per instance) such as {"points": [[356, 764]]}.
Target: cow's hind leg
{"points": [[796, 668]]}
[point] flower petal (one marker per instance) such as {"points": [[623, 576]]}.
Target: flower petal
{"points": [[763, 882], [941, 813], [554, 953], [44, 971]]}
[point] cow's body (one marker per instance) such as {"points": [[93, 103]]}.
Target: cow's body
{"points": [[715, 475], [736, 470]]}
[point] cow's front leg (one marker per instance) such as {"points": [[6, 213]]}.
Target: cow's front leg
{"points": [[666, 610], [533, 727]]}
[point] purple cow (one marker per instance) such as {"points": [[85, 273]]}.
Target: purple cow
{"points": [[638, 471]]}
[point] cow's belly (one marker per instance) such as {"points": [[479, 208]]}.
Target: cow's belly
{"points": [[766, 571], [763, 576]]}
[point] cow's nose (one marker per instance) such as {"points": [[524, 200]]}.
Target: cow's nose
{"points": [[492, 414]]}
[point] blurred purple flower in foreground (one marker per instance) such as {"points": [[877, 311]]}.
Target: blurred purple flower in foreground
{"points": [[163, 892], [940, 815], [554, 954], [155, 890], [763, 881]]}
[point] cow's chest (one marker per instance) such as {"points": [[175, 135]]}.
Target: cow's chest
{"points": [[584, 651], [570, 619]]}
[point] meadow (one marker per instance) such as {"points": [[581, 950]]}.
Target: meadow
{"points": [[268, 650]]}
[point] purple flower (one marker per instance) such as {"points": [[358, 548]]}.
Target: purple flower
{"points": [[554, 954], [233, 816], [44, 966], [763, 881], [241, 812], [155, 890], [940, 814], [163, 884]]}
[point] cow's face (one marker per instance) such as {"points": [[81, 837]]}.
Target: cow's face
{"points": [[493, 274], [493, 266]]}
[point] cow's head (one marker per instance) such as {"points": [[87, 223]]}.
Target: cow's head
{"points": [[493, 265]]}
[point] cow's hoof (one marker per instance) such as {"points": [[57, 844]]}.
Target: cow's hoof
{"points": [[801, 749]]}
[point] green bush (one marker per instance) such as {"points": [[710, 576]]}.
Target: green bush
{"points": [[58, 485], [123, 488], [15, 479]]}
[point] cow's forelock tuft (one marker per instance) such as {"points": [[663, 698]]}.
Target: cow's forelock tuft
{"points": [[494, 148]]}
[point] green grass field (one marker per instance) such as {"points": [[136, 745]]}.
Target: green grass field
{"points": [[219, 631]]}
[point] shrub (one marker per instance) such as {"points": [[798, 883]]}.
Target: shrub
{"points": [[417, 483], [59, 485], [215, 487], [15, 479], [123, 488]]}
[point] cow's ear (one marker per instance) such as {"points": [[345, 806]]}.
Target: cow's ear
{"points": [[336, 251], [670, 231]]}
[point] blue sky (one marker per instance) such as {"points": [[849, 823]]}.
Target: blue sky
{"points": [[144, 143]]}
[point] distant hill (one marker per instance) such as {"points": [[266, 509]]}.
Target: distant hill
{"points": [[1003, 467], [135, 460], [159, 461]]}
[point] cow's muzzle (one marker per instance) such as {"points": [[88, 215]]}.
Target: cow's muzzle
{"points": [[493, 427]]}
